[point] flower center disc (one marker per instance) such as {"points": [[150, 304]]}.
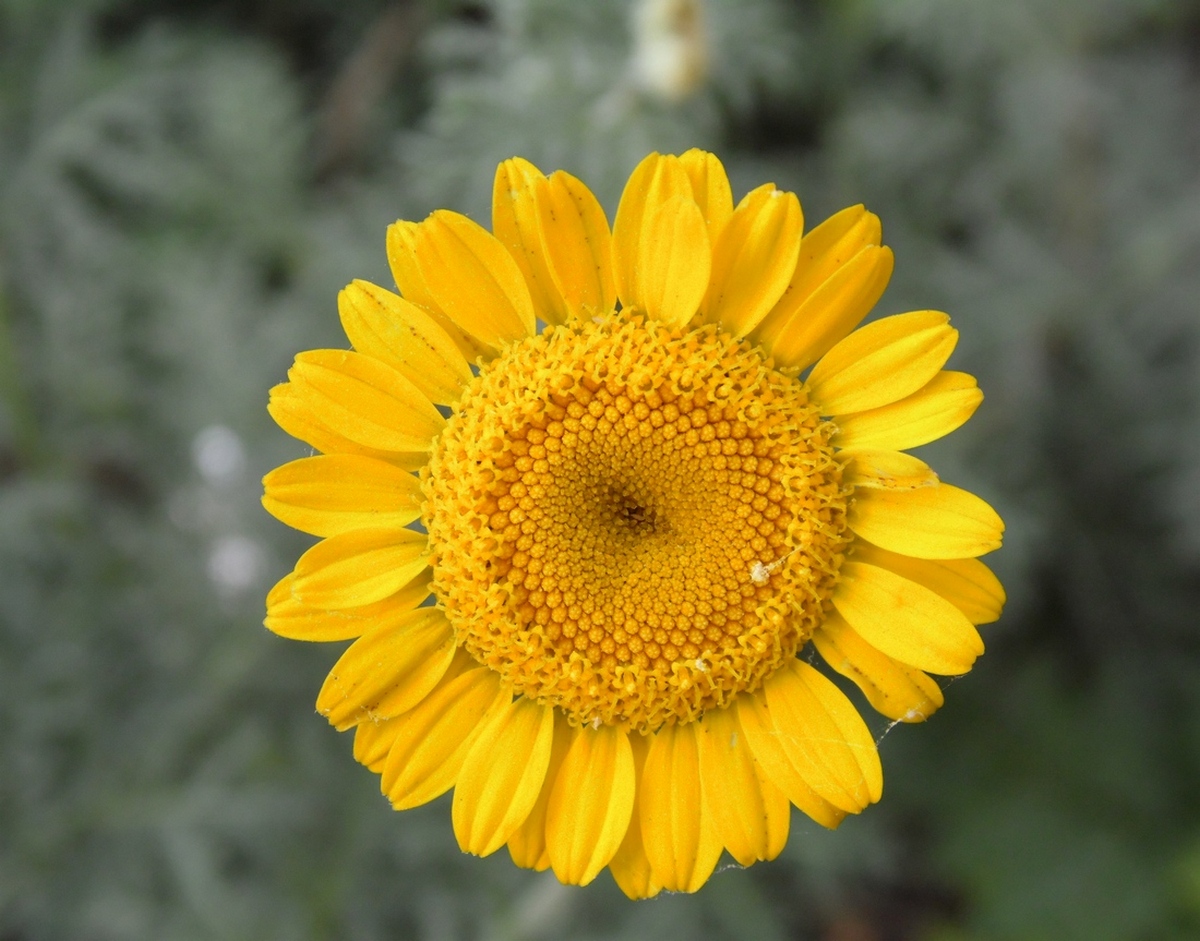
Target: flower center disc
{"points": [[634, 522]]}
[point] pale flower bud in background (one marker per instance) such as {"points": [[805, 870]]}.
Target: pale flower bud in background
{"points": [[670, 53]]}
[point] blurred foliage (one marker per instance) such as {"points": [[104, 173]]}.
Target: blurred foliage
{"points": [[184, 187]]}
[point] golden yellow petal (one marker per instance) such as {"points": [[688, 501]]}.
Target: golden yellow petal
{"points": [[883, 362], [502, 775], [655, 180], [365, 400], [515, 221], [905, 620], [674, 262], [941, 522], [474, 279], [710, 189], [287, 617], [893, 688], [591, 804], [388, 670], [433, 737], [840, 274], [774, 764], [336, 493], [406, 337], [753, 259], [578, 245], [679, 837], [824, 736], [527, 845], [359, 567], [936, 409], [372, 741], [749, 812], [293, 414], [885, 470], [401, 242], [630, 867], [968, 584]]}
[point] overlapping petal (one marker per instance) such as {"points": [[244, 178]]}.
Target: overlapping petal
{"points": [[824, 737], [655, 181], [433, 737], [365, 400], [883, 362], [294, 414], [936, 409], [406, 337], [388, 670], [359, 567], [335, 493], [287, 617], [841, 271], [630, 866], [502, 775], [678, 834], [942, 522], [753, 259], [905, 620], [895, 689], [967, 584], [750, 813], [591, 804]]}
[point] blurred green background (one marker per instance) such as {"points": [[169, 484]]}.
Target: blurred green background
{"points": [[184, 186]]}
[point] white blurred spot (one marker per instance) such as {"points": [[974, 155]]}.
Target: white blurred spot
{"points": [[234, 565], [670, 54], [219, 455]]}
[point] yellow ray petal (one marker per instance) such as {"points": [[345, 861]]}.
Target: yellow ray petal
{"points": [[474, 279], [710, 189], [774, 764], [515, 220], [372, 742], [433, 737], [335, 493], [578, 245], [680, 840], [287, 617], [883, 362], [630, 867], [753, 259], [936, 409], [655, 180], [886, 470], [894, 689], [359, 567], [968, 584], [293, 414], [941, 522], [905, 620], [824, 736], [527, 845], [388, 670], [502, 775], [841, 273], [366, 400], [751, 815], [401, 242], [831, 245], [591, 804], [674, 262], [403, 335]]}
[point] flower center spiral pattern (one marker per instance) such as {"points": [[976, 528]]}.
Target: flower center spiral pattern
{"points": [[634, 522]]}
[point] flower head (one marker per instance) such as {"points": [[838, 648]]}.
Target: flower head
{"points": [[635, 521]]}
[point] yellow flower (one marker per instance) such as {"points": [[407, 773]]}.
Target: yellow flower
{"points": [[636, 520]]}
